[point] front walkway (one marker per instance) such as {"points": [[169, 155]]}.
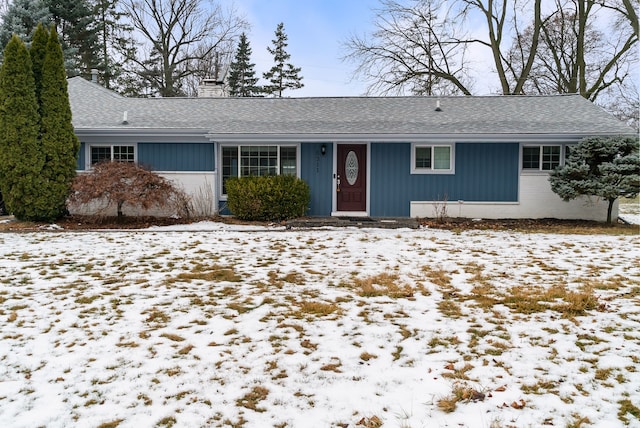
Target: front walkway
{"points": [[362, 222]]}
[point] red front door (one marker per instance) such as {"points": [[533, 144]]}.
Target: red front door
{"points": [[352, 177]]}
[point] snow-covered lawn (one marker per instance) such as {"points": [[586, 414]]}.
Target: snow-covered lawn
{"points": [[264, 327], [629, 210]]}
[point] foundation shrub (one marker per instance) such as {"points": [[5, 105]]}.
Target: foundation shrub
{"points": [[271, 198]]}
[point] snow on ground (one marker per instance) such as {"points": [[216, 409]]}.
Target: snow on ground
{"points": [[264, 327], [630, 212]]}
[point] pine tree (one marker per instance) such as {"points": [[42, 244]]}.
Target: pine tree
{"points": [[37, 53], [21, 160], [114, 40], [241, 80], [608, 168], [76, 25], [282, 75], [21, 18], [59, 144]]}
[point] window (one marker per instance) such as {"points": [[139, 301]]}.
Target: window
{"points": [[432, 159], [541, 158], [112, 153], [245, 161]]}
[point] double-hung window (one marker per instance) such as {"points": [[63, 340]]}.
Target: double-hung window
{"points": [[104, 153], [541, 157], [251, 160], [434, 159]]}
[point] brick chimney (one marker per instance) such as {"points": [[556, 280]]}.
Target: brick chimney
{"points": [[212, 88]]}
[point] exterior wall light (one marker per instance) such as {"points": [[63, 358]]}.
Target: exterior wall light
{"points": [[323, 149]]}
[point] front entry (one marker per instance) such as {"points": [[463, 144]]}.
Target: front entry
{"points": [[351, 180]]}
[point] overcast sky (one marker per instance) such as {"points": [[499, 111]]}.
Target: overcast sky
{"points": [[316, 31]]}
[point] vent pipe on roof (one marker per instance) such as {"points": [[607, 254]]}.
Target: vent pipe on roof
{"points": [[124, 118], [438, 105], [94, 75]]}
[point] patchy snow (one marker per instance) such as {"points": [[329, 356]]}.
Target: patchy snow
{"points": [[220, 325], [630, 212]]}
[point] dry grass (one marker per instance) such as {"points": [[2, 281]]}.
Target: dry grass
{"points": [[439, 277], [627, 408], [370, 422], [333, 366], [458, 373], [384, 284], [252, 398], [112, 424], [213, 273], [529, 300], [308, 308], [173, 337], [460, 392], [365, 356]]}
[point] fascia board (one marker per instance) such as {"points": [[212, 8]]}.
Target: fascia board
{"points": [[399, 138]]}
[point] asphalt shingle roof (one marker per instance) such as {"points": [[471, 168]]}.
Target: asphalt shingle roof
{"points": [[96, 108]]}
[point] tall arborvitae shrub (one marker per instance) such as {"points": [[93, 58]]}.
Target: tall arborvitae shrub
{"points": [[37, 53], [21, 160], [59, 144]]}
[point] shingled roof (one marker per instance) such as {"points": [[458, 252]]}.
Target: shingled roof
{"points": [[98, 109]]}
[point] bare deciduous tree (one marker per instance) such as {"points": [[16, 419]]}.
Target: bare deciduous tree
{"points": [[572, 46], [177, 35], [577, 57], [503, 22], [580, 51], [415, 47]]}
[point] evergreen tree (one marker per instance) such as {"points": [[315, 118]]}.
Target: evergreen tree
{"points": [[241, 80], [75, 23], [114, 41], [21, 18], [608, 168], [37, 53], [21, 160], [282, 75], [59, 144]]}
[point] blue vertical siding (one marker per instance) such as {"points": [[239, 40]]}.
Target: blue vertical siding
{"points": [[483, 172], [317, 170], [81, 158], [177, 156]]}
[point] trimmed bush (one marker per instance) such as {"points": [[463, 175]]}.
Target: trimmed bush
{"points": [[272, 198]]}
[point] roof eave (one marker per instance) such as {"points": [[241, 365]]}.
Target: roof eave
{"points": [[337, 137], [413, 137]]}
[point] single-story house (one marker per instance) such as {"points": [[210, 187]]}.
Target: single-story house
{"points": [[485, 157]]}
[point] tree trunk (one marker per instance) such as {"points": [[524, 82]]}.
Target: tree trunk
{"points": [[120, 215], [609, 210]]}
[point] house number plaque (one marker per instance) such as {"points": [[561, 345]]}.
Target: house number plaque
{"points": [[351, 168]]}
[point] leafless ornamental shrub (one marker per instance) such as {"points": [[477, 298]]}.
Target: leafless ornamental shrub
{"points": [[440, 208], [203, 201], [122, 183]]}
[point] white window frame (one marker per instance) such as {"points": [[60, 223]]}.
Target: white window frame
{"points": [[88, 158], [223, 196], [432, 169], [541, 146]]}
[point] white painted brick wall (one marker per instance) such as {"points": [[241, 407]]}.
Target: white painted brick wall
{"points": [[536, 200]]}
